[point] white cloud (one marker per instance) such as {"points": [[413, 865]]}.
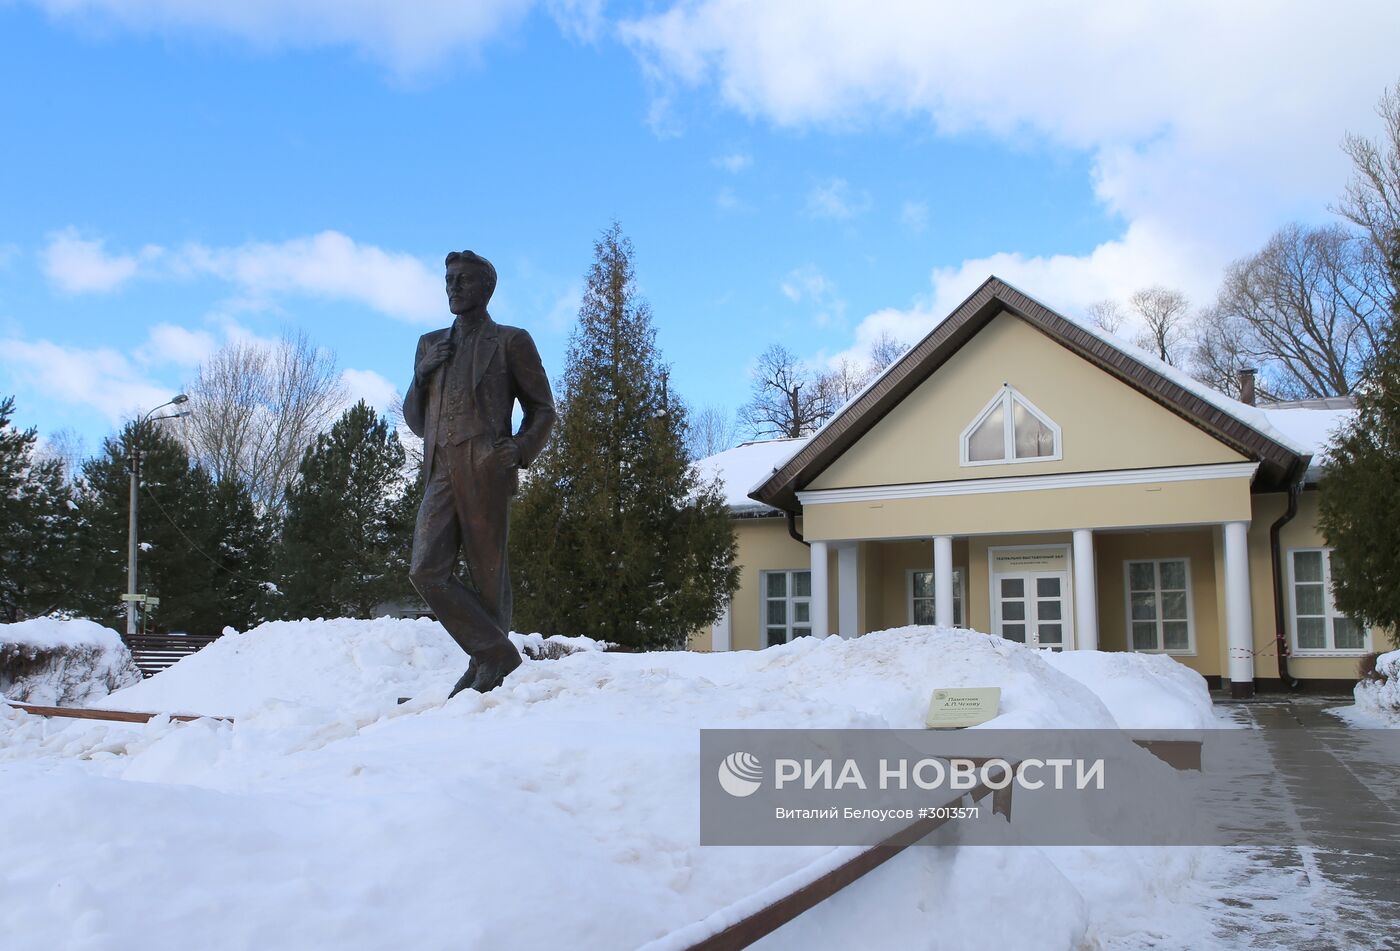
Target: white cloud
{"points": [[1064, 282], [328, 265], [564, 311], [101, 379], [913, 215], [371, 387], [408, 37], [78, 265], [732, 162], [1208, 124], [834, 198], [728, 201], [807, 285], [169, 343]]}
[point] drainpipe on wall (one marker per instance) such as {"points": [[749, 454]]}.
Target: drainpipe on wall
{"points": [[1295, 489], [791, 518]]}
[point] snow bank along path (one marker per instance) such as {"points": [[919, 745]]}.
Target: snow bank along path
{"points": [[558, 811], [49, 661]]}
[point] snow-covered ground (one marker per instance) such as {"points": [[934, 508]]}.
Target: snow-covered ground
{"points": [[52, 661], [558, 811]]}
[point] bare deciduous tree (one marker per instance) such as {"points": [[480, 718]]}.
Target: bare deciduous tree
{"points": [[1372, 197], [885, 351], [846, 379], [1107, 315], [787, 399], [1306, 310], [712, 430], [1165, 317], [256, 407], [66, 447]]}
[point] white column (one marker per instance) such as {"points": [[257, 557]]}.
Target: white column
{"points": [[943, 580], [1239, 615], [821, 625], [847, 617], [719, 631], [1086, 593]]}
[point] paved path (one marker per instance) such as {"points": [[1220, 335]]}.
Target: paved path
{"points": [[1333, 882]]}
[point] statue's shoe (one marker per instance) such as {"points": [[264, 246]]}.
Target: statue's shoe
{"points": [[495, 667], [466, 680]]}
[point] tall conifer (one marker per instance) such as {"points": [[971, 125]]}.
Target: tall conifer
{"points": [[1360, 505], [180, 531], [613, 535], [344, 540]]}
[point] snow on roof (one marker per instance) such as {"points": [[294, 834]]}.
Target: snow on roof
{"points": [[745, 467], [1312, 428]]}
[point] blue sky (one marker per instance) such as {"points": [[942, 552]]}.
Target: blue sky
{"points": [[176, 174]]}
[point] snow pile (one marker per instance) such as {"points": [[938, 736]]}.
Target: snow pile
{"points": [[1142, 691], [558, 811], [344, 664], [1378, 696], [51, 661]]}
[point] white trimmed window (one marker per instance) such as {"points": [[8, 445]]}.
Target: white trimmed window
{"points": [[1318, 628], [921, 597], [787, 605], [1009, 429], [1159, 606]]}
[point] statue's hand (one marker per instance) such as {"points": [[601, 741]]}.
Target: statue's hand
{"points": [[434, 357]]}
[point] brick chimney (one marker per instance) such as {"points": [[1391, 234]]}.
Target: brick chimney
{"points": [[1247, 385]]}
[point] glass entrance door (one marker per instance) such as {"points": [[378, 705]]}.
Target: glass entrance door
{"points": [[1031, 608]]}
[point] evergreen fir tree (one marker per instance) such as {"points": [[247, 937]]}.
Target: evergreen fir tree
{"points": [[1360, 506], [38, 526], [178, 533], [344, 536], [244, 552], [614, 536]]}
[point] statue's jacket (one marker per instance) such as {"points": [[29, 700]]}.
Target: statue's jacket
{"points": [[504, 368]]}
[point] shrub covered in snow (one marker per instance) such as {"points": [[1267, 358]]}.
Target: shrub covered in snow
{"points": [[62, 662], [1379, 689]]}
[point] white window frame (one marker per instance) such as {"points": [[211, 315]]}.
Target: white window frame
{"points": [[1007, 397], [789, 598], [1190, 649], [1328, 605], [959, 594]]}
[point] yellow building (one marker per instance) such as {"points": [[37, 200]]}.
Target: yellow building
{"points": [[1022, 474]]}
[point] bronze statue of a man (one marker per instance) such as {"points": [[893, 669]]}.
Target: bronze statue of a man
{"points": [[466, 381]]}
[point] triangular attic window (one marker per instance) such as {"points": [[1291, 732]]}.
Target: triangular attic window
{"points": [[1010, 429]]}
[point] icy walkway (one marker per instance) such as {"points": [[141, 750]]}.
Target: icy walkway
{"points": [[1331, 792]]}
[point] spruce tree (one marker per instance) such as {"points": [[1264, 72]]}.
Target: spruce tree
{"points": [[1360, 506], [613, 535], [178, 533], [38, 526], [343, 548]]}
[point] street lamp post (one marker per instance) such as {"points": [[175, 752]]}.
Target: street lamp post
{"points": [[131, 545]]}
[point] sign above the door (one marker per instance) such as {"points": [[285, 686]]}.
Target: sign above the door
{"points": [[1010, 561]]}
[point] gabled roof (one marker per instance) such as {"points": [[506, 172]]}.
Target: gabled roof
{"points": [[1246, 429]]}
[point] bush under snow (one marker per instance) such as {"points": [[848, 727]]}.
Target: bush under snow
{"points": [[52, 662], [1378, 694], [328, 814]]}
